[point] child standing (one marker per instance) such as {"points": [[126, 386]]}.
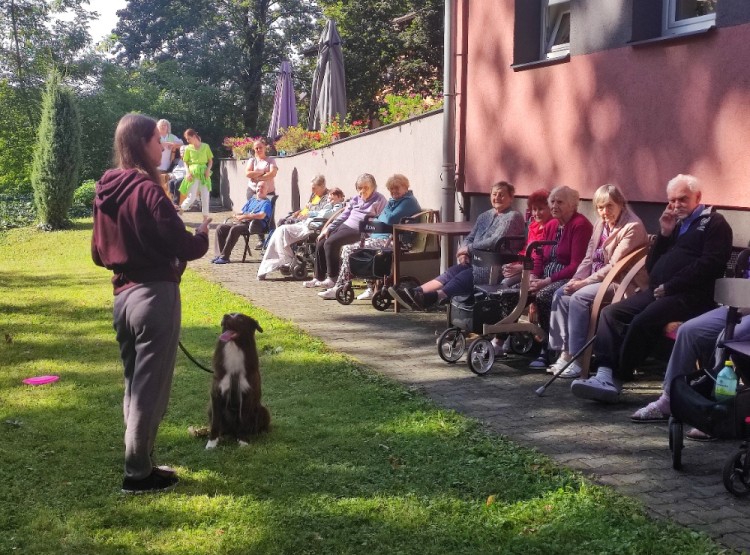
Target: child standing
{"points": [[198, 161]]}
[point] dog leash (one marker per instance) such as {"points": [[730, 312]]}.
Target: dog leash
{"points": [[198, 364]]}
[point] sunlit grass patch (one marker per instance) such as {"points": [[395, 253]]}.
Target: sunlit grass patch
{"points": [[354, 463]]}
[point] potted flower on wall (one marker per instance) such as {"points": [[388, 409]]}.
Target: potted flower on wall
{"points": [[241, 147]]}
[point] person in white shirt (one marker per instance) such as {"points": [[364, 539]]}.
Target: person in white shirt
{"points": [[176, 176], [169, 143]]}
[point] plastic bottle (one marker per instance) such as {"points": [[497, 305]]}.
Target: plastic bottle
{"points": [[726, 383]]}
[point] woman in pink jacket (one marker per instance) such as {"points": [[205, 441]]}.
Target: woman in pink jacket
{"points": [[617, 233]]}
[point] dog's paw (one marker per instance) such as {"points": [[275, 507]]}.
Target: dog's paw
{"points": [[242, 443], [212, 443]]}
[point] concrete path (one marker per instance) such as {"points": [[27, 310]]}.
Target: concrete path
{"points": [[600, 441]]}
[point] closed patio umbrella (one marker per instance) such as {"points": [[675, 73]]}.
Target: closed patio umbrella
{"points": [[328, 98], [284, 108]]}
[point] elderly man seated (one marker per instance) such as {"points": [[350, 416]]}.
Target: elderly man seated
{"points": [[696, 341], [253, 218], [689, 254], [492, 225]]}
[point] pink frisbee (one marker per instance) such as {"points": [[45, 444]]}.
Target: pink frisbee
{"points": [[41, 380]]}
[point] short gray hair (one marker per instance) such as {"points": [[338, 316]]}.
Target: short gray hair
{"points": [[319, 179], [609, 192], [690, 181], [571, 196], [366, 177]]}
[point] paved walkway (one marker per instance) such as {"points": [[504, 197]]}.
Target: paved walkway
{"points": [[597, 440]]}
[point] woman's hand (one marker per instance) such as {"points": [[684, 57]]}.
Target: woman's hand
{"points": [[572, 286], [536, 284], [203, 228], [463, 258], [512, 269]]}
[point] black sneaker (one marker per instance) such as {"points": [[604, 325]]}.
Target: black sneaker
{"points": [[156, 482], [416, 297]]}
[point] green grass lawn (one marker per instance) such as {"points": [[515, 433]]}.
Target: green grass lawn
{"points": [[353, 464]]}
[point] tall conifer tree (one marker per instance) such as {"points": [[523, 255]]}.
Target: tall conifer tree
{"points": [[57, 155]]}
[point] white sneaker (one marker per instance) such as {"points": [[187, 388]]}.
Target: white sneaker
{"points": [[557, 366], [329, 293], [327, 283], [312, 283], [368, 293], [573, 371]]}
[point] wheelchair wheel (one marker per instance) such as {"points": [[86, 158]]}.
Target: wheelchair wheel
{"points": [[345, 294], [481, 356], [451, 345], [381, 300], [675, 442], [737, 474], [521, 343], [408, 282], [299, 269]]}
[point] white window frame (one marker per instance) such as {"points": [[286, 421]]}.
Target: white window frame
{"points": [[549, 49], [672, 26]]}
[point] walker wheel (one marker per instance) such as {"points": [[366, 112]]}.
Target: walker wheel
{"points": [[345, 294], [299, 270], [381, 300], [481, 356], [675, 442], [451, 345], [737, 474], [521, 343]]}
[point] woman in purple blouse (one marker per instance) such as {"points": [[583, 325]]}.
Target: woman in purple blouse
{"points": [[345, 230]]}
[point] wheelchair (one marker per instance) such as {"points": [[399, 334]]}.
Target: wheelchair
{"points": [[692, 401], [375, 267], [304, 252], [491, 310]]}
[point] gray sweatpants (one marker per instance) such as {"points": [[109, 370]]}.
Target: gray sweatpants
{"points": [[147, 322]]}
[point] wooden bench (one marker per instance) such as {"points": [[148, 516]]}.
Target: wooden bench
{"points": [[623, 274]]}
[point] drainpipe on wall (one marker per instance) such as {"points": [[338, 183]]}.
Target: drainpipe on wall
{"points": [[447, 211]]}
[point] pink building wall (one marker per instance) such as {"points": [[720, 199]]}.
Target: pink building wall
{"points": [[631, 116]]}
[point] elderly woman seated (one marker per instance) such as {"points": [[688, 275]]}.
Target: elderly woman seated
{"points": [[538, 208], [617, 233], [344, 230], [497, 222], [322, 204], [402, 204], [571, 232]]}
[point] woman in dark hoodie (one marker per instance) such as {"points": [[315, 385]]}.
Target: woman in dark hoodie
{"points": [[139, 236]]}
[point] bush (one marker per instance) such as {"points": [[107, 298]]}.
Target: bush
{"points": [[83, 200], [398, 108], [296, 139], [57, 155], [16, 211]]}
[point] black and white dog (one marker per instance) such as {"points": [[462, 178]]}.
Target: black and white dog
{"points": [[235, 392]]}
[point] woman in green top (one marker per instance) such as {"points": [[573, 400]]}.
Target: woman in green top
{"points": [[198, 161]]}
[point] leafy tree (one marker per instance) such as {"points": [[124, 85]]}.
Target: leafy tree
{"points": [[229, 46], [33, 39], [57, 155], [16, 141], [385, 57]]}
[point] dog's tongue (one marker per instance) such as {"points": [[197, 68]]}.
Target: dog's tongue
{"points": [[227, 336]]}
